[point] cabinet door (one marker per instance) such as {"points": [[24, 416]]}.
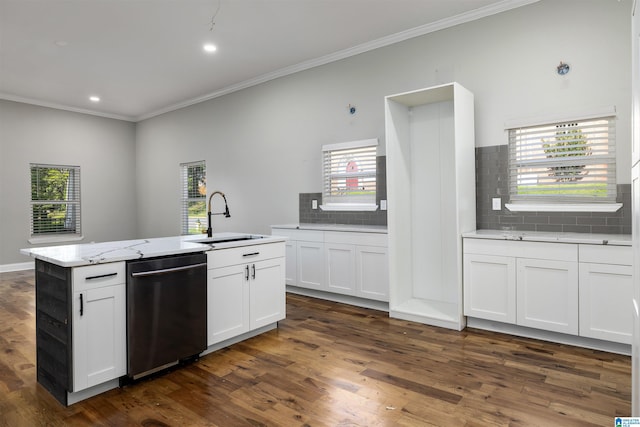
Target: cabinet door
{"points": [[547, 295], [311, 265], [291, 269], [606, 302], [99, 335], [490, 287], [227, 302], [341, 268], [267, 292], [372, 272]]}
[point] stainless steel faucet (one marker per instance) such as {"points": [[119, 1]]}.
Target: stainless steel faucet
{"points": [[209, 213]]}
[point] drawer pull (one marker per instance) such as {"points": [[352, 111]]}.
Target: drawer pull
{"points": [[101, 276], [251, 254]]}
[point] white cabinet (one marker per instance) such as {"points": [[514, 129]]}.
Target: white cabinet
{"points": [[577, 289], [245, 290], [372, 272], [98, 324], [490, 287], [606, 293], [291, 255], [341, 268], [310, 265], [341, 262], [227, 303], [267, 293], [431, 199], [547, 295]]}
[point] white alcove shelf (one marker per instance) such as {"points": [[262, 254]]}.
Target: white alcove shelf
{"points": [[431, 201]]}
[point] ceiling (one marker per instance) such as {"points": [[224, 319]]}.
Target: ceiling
{"points": [[146, 57]]}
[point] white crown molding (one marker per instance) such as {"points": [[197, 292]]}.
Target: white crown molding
{"points": [[356, 50], [462, 18], [9, 97]]}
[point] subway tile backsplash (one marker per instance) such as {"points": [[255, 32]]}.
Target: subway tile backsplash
{"points": [[492, 180], [307, 215]]}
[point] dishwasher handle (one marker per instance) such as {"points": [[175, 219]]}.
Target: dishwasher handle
{"points": [[168, 270]]}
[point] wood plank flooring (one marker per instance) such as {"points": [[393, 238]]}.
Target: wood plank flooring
{"points": [[330, 364]]}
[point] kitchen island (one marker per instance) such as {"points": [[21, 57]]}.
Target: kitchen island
{"points": [[83, 307]]}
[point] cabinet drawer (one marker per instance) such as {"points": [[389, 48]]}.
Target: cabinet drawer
{"points": [[99, 275], [604, 254], [353, 238], [244, 254]]}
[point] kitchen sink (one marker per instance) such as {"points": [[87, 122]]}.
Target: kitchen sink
{"points": [[226, 239]]}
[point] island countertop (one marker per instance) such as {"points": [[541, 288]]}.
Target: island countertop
{"points": [[98, 253]]}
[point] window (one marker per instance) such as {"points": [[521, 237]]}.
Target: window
{"points": [[55, 200], [349, 171], [570, 162], [194, 197]]}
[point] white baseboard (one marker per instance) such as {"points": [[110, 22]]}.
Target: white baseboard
{"points": [[29, 265]]}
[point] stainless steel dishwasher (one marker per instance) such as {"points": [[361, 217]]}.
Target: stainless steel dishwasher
{"points": [[166, 312]]}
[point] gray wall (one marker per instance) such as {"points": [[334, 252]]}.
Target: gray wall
{"points": [[262, 145], [104, 150]]}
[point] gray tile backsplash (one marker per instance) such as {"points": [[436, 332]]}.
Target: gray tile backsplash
{"points": [[492, 181], [318, 216]]}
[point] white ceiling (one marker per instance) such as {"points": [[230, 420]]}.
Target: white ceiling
{"points": [[145, 57]]}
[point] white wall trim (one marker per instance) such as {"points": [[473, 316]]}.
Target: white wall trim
{"points": [[29, 265], [569, 207]]}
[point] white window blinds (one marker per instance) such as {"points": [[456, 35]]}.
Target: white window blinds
{"points": [[194, 197], [349, 171], [55, 199], [568, 162]]}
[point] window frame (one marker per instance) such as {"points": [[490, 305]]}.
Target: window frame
{"points": [[73, 203], [526, 140], [186, 198], [349, 201]]}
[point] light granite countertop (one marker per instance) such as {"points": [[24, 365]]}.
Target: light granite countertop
{"points": [[98, 253], [334, 227], [539, 236]]}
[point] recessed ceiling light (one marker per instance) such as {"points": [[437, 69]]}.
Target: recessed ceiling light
{"points": [[209, 47], [94, 98]]}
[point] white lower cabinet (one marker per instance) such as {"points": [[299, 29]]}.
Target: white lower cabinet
{"points": [[372, 272], [246, 295], [310, 265], [547, 295], [490, 287], [577, 289], [606, 290], [340, 262], [341, 268], [99, 327], [227, 305]]}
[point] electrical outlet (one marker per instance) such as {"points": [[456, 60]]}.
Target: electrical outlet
{"points": [[383, 205], [496, 203], [314, 204]]}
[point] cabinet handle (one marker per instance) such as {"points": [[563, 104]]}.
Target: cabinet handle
{"points": [[251, 254], [101, 276], [81, 306], [253, 271], [246, 272]]}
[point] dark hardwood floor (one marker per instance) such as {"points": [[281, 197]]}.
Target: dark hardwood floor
{"points": [[330, 364]]}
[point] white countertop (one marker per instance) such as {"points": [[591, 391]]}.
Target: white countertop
{"points": [[335, 227], [97, 253], [539, 236]]}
